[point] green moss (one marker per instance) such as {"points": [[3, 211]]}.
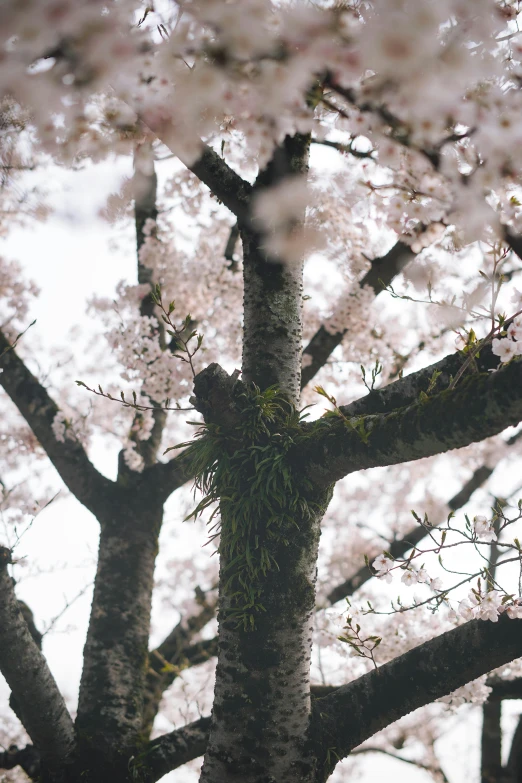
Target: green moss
{"points": [[262, 503]]}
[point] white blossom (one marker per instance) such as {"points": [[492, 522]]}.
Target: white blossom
{"points": [[409, 577], [484, 528], [382, 565], [505, 348], [482, 607]]}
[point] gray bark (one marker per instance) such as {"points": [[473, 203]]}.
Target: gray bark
{"points": [[272, 312], [354, 712], [273, 291], [479, 407], [110, 705], [40, 704], [261, 711], [39, 409]]}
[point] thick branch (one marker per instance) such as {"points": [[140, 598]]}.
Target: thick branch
{"points": [[479, 407], [514, 241], [500, 689], [173, 750], [234, 191], [504, 689], [164, 478], [491, 742], [38, 409], [407, 390], [231, 189], [514, 765], [381, 273], [438, 774], [145, 186], [27, 758], [357, 711], [40, 704]]}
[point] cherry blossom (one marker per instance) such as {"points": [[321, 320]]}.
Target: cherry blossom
{"points": [[484, 528]]}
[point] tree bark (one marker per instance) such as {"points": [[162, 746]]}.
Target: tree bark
{"points": [[479, 407], [70, 459], [110, 705], [273, 291], [491, 743], [514, 765], [40, 705], [261, 712], [272, 311], [262, 705], [357, 711]]}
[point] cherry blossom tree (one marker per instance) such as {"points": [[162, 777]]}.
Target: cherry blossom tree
{"points": [[380, 143]]}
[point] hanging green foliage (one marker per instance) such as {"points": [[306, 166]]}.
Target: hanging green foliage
{"points": [[258, 501]]}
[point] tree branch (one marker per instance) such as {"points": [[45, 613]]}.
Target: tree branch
{"points": [[491, 742], [436, 770], [38, 409], [346, 149], [173, 655], [164, 478], [272, 303], [382, 271], [173, 750], [40, 704], [504, 689], [144, 186], [357, 711], [27, 758], [514, 241], [501, 689], [406, 391], [210, 168], [514, 764], [479, 407], [399, 547]]}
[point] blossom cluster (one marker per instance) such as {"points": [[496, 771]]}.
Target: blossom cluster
{"points": [[474, 692], [62, 428], [383, 566], [478, 605], [483, 528], [506, 348], [88, 97], [15, 293], [488, 606]]}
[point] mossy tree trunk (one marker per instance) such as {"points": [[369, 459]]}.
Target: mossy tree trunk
{"points": [[262, 705]]}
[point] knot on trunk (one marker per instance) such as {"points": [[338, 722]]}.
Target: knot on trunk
{"points": [[215, 395]]}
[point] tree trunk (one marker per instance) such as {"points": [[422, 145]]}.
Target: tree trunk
{"points": [[491, 762], [261, 713], [109, 717], [270, 528]]}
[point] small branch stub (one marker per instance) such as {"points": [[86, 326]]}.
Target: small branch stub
{"points": [[5, 557], [214, 396]]}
